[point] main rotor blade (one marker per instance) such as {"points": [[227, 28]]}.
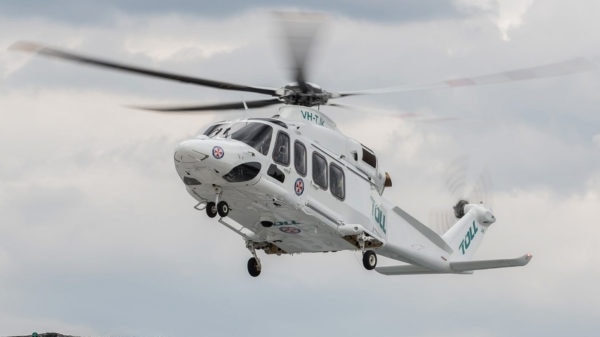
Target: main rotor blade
{"points": [[300, 31], [213, 107], [568, 67], [61, 54]]}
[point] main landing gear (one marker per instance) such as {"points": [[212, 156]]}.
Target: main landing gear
{"points": [[369, 257], [254, 266], [369, 260]]}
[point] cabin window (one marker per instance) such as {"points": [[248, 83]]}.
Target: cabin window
{"points": [[337, 183], [369, 157], [281, 153], [257, 135], [300, 158], [319, 170]]}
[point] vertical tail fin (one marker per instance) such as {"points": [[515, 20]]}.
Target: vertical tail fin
{"points": [[466, 235]]}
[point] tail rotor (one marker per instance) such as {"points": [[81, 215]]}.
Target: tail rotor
{"points": [[464, 190]]}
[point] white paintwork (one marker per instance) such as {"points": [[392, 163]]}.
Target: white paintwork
{"points": [[316, 220]]}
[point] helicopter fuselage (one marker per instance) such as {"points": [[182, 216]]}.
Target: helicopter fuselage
{"points": [[294, 182]]}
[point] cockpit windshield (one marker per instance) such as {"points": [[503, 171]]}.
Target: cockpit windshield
{"points": [[257, 135], [213, 130]]}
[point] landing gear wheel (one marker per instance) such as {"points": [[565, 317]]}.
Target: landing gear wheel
{"points": [[211, 210], [254, 267], [223, 209], [369, 260]]}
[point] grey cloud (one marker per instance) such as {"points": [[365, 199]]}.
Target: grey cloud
{"points": [[87, 12]]}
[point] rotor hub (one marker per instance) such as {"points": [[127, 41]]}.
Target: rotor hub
{"points": [[305, 94]]}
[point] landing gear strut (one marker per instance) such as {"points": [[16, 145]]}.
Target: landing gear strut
{"points": [[369, 256], [369, 260]]}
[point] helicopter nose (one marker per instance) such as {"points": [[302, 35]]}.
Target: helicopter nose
{"points": [[192, 151], [215, 161]]}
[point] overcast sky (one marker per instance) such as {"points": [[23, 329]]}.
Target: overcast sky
{"points": [[98, 236]]}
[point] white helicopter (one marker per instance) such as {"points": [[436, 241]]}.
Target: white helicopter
{"points": [[294, 183]]}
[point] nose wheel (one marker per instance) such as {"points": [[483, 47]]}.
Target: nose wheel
{"points": [[211, 209], [218, 206], [222, 209]]}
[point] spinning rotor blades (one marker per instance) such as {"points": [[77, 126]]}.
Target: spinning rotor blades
{"points": [[568, 67], [461, 185], [61, 54], [464, 185], [300, 32], [213, 107]]}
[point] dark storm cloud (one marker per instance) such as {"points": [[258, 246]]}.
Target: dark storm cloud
{"points": [[92, 12]]}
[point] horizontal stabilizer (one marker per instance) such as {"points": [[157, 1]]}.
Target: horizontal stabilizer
{"points": [[408, 269], [457, 267], [490, 264]]}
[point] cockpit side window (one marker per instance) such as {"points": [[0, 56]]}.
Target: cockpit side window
{"points": [[257, 135], [319, 170], [300, 158], [281, 153], [337, 182]]}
